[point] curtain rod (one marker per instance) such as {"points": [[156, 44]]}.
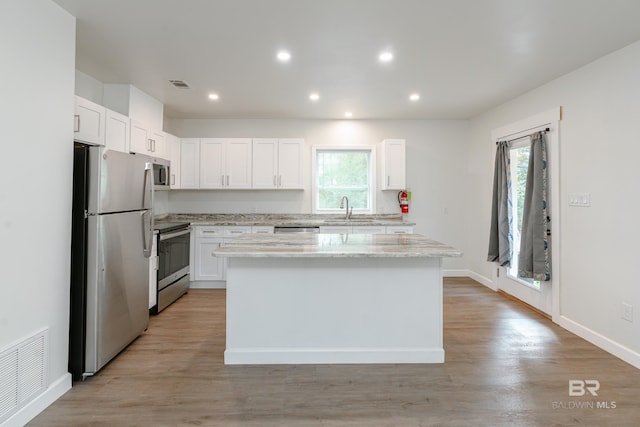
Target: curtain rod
{"points": [[524, 136]]}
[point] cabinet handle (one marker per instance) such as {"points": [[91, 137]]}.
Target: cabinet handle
{"points": [[173, 179], [76, 124], [227, 180], [209, 231], [223, 180], [274, 181], [153, 145], [388, 180], [279, 180]]}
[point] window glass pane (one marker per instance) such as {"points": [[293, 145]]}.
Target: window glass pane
{"points": [[343, 173]]}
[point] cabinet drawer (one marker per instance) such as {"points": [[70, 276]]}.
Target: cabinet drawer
{"points": [[262, 229], [208, 231], [400, 229], [236, 230], [369, 229]]}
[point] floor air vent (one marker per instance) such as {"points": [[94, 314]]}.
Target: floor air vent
{"points": [[23, 373]]}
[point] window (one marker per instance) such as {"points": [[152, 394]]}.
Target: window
{"points": [[342, 172]]}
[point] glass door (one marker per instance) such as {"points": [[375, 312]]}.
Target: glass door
{"points": [[532, 292]]}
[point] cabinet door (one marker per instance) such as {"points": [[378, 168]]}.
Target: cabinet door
{"points": [[208, 266], [140, 141], [393, 164], [173, 147], [89, 122], [117, 131], [238, 163], [212, 162], [265, 163], [190, 163], [158, 145], [290, 163]]}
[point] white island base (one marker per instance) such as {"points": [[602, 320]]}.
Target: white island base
{"points": [[334, 310]]}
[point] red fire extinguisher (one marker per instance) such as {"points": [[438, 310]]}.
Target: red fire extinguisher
{"points": [[403, 200]]}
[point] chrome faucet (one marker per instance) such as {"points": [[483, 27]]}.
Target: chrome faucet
{"points": [[348, 212]]}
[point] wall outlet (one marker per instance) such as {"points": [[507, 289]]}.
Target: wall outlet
{"points": [[627, 312]]}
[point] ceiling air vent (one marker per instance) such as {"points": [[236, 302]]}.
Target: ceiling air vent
{"points": [[179, 84]]}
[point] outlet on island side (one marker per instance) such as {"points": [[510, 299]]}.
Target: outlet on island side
{"points": [[627, 312]]}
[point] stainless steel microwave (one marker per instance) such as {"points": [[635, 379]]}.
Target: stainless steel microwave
{"points": [[161, 174]]}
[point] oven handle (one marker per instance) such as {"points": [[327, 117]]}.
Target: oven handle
{"points": [[176, 234]]}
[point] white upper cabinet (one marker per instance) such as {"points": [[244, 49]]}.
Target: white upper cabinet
{"points": [[117, 131], [89, 122], [173, 149], [393, 164], [212, 170], [277, 163], [225, 163], [190, 163], [144, 140]]}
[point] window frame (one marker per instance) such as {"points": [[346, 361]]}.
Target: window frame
{"points": [[372, 178]]}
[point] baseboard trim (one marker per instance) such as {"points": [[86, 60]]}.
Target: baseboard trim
{"points": [[209, 284], [253, 356], [40, 403], [482, 279], [519, 301], [599, 340], [455, 273]]}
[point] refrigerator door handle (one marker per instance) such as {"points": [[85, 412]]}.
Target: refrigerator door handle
{"points": [[147, 233], [147, 215]]}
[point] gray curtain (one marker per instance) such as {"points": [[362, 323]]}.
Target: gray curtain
{"points": [[534, 260], [499, 237]]}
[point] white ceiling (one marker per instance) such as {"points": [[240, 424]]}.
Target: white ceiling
{"points": [[462, 56]]}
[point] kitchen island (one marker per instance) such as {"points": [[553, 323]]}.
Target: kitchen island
{"points": [[334, 298]]}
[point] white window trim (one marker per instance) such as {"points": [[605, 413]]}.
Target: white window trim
{"points": [[372, 171]]}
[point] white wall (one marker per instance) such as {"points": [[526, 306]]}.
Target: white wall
{"points": [[599, 154], [37, 41], [89, 88], [436, 157]]}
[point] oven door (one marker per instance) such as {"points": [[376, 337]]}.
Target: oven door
{"points": [[173, 256]]}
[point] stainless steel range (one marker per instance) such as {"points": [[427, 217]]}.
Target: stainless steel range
{"points": [[173, 263]]}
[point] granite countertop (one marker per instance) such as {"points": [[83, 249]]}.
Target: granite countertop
{"points": [[289, 220], [313, 245]]}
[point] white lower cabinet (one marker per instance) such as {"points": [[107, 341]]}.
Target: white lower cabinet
{"points": [[399, 229], [205, 266], [366, 229], [335, 229]]}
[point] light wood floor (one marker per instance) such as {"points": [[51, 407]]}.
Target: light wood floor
{"points": [[505, 366]]}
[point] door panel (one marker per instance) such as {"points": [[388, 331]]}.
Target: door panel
{"points": [[117, 286]]}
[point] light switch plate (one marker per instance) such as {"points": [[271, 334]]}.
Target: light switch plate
{"points": [[580, 199]]}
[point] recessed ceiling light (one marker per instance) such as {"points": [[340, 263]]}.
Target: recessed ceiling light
{"points": [[348, 114], [283, 56], [314, 97], [386, 57], [214, 96], [414, 96]]}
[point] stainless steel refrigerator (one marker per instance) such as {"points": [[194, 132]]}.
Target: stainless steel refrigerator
{"points": [[112, 231]]}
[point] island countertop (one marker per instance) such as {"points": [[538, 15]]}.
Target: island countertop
{"points": [[286, 220], [313, 245]]}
